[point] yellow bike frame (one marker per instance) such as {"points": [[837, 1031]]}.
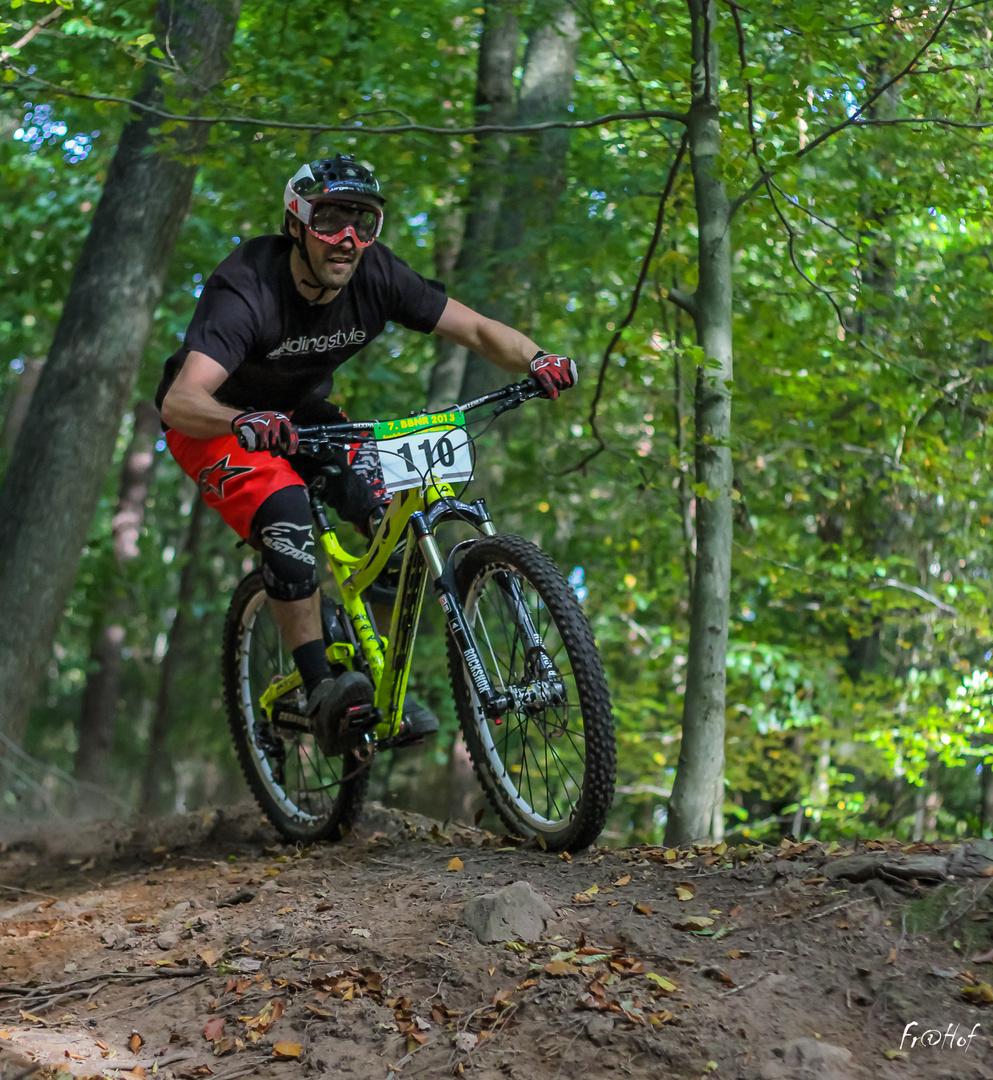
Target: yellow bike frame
{"points": [[389, 658]]}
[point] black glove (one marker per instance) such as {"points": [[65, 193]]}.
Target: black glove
{"points": [[554, 373], [270, 431]]}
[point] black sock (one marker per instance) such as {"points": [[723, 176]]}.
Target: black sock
{"points": [[312, 663]]}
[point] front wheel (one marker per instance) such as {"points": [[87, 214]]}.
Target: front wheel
{"points": [[548, 762], [305, 795]]}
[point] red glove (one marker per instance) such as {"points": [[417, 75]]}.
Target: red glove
{"points": [[270, 431], [554, 373]]}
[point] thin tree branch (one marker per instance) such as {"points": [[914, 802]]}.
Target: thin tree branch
{"points": [[398, 129], [635, 298], [939, 121], [41, 24], [856, 116], [791, 247]]}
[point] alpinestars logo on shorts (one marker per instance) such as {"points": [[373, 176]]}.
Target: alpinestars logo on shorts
{"points": [[338, 340]]}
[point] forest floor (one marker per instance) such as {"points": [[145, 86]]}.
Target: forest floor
{"points": [[199, 946]]}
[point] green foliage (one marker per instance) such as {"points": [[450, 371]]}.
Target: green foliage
{"points": [[861, 583]]}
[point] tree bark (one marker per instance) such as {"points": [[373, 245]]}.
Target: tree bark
{"points": [[57, 471], [157, 760], [695, 808], [98, 713], [535, 181], [16, 413], [494, 104]]}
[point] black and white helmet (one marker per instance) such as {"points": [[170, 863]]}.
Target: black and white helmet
{"points": [[329, 179]]}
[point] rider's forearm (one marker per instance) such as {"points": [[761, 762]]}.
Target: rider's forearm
{"points": [[504, 346], [500, 344], [196, 413]]}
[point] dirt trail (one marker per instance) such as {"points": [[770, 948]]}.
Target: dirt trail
{"points": [[199, 946]]}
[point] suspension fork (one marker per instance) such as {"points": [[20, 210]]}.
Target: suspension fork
{"points": [[494, 703]]}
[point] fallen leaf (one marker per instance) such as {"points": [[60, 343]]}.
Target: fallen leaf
{"points": [[892, 1055], [694, 923], [735, 954], [735, 911], [891, 958], [663, 983], [983, 957], [207, 956], [561, 967], [621, 881], [360, 932], [286, 1050], [981, 994], [136, 1042], [685, 891], [466, 1041], [30, 1016], [214, 1028], [454, 864], [643, 909]]}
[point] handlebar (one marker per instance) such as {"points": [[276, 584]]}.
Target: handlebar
{"points": [[318, 438]]}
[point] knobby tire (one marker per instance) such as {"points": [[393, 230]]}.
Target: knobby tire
{"points": [[549, 767], [305, 795]]}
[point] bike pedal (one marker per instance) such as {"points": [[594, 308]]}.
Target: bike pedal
{"points": [[362, 718]]}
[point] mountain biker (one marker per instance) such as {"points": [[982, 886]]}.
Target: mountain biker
{"points": [[273, 322]]}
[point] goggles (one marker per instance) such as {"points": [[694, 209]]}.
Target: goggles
{"points": [[333, 222]]}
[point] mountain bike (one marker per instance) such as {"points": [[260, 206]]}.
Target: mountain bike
{"points": [[528, 684]]}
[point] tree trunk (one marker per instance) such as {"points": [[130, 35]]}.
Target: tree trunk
{"points": [[57, 472], [98, 714], [157, 761], [494, 104], [13, 419], [535, 182], [695, 809]]}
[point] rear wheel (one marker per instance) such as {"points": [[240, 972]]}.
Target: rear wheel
{"points": [[306, 795], [548, 762]]}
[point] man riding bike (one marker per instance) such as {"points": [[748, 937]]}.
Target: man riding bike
{"points": [[273, 323]]}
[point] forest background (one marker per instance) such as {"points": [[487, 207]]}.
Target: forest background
{"points": [[800, 584]]}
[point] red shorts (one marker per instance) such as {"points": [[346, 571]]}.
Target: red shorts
{"points": [[231, 480]]}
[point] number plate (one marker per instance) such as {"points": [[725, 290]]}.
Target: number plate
{"points": [[423, 450]]}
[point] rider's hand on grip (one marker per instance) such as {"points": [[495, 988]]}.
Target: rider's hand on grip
{"points": [[270, 431], [553, 372]]}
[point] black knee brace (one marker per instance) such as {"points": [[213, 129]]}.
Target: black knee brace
{"points": [[282, 530]]}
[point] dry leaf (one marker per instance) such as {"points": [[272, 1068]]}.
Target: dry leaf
{"points": [[891, 959], [207, 956], [214, 1028], [466, 1041], [643, 909], [621, 881], [286, 1050], [983, 957], [136, 1042], [664, 984], [892, 1055], [561, 967], [685, 891], [694, 923], [454, 864]]}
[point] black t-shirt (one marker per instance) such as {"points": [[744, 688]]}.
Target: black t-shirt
{"points": [[277, 348]]}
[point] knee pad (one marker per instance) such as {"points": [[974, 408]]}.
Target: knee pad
{"points": [[282, 530]]}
